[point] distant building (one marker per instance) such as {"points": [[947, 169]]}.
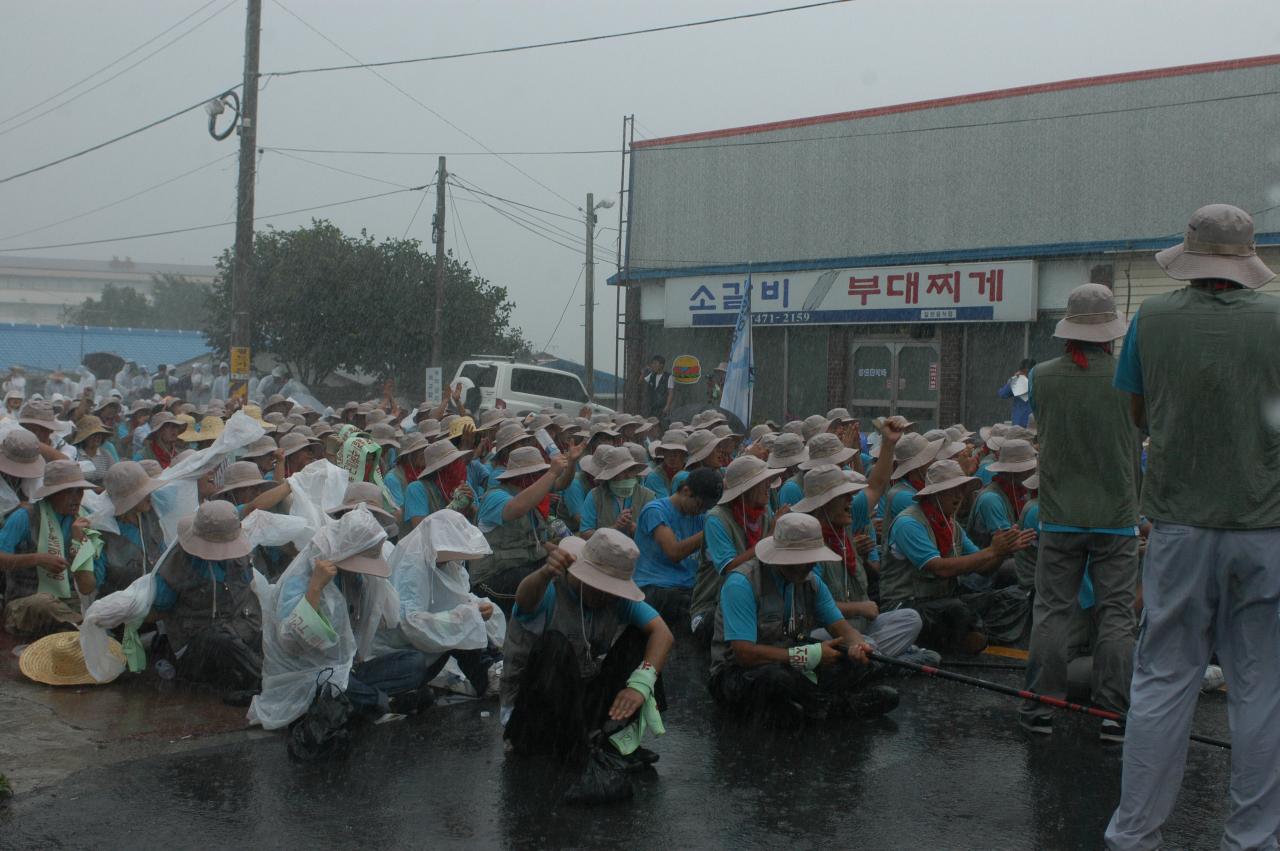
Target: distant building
{"points": [[41, 290]]}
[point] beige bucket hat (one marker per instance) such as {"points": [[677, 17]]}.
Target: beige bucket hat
{"points": [[604, 429], [950, 448], [759, 431], [58, 660], [827, 448], [38, 413], [1218, 243], [440, 455], [638, 453], [944, 476], [241, 474], [491, 419], [214, 532], [162, 418], [86, 427], [913, 452], [788, 451], [429, 428], [368, 495], [700, 445], [152, 466], [510, 434], [1032, 482], [1016, 456], [260, 447], [411, 443], [127, 484], [384, 435], [812, 425], [674, 440], [594, 463], [615, 462], [840, 415], [796, 539], [1091, 316], [293, 443], [524, 461], [995, 435], [20, 455], [744, 473], [826, 482], [61, 476], [607, 563]]}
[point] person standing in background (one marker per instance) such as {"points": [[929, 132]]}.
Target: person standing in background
{"points": [[659, 388], [1017, 389]]}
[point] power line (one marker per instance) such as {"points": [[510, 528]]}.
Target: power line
{"points": [[414, 217], [559, 43], [373, 71], [124, 70], [129, 197], [572, 293], [112, 141], [335, 168], [557, 230], [466, 184], [113, 62], [454, 205], [215, 224], [549, 227], [597, 151], [519, 223]]}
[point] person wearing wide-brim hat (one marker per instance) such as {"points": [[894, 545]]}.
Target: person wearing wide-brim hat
{"points": [[771, 669], [44, 546], [1089, 507], [1201, 355], [20, 459], [512, 520], [998, 505], [441, 482], [786, 455], [161, 443], [705, 449], [557, 691], [408, 464], [671, 452], [204, 597], [462, 433], [210, 429], [509, 436], [912, 457], [618, 496], [91, 439], [263, 453], [138, 542], [366, 494], [928, 551]]}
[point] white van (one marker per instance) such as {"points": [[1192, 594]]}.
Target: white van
{"points": [[523, 387]]}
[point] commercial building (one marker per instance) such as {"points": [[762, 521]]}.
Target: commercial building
{"points": [[41, 290], [906, 258]]}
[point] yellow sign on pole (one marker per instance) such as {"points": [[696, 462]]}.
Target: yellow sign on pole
{"points": [[240, 361]]}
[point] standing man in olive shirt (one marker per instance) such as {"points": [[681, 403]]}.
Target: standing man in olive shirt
{"points": [[1202, 367], [1088, 511]]}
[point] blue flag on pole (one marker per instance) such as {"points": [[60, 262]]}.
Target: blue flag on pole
{"points": [[740, 377]]}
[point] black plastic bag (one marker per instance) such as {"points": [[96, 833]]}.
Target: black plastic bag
{"points": [[321, 733], [605, 780]]}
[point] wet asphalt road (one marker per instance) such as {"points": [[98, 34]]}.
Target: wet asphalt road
{"points": [[948, 769]]}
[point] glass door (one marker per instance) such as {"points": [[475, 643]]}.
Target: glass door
{"points": [[870, 381], [895, 378], [918, 381]]}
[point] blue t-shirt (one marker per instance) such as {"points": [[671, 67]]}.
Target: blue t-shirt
{"points": [[415, 501], [719, 544], [738, 605], [678, 479], [574, 495], [1129, 368], [490, 514], [589, 518], [911, 540], [478, 476], [17, 530], [990, 514], [637, 614], [657, 482], [653, 566], [790, 493], [984, 472], [167, 598], [395, 486], [860, 509]]}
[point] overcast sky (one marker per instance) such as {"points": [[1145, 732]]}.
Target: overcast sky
{"points": [[830, 59]]}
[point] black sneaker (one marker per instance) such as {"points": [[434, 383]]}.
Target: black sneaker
{"points": [[1112, 731], [874, 701], [1041, 724]]}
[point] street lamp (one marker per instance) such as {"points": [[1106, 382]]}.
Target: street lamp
{"points": [[589, 342]]}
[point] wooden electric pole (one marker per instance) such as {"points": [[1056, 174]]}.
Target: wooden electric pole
{"points": [[242, 274], [437, 230]]}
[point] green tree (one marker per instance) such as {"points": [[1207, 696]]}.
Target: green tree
{"points": [[176, 302], [324, 301]]}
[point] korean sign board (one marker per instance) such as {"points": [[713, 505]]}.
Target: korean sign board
{"points": [[957, 292]]}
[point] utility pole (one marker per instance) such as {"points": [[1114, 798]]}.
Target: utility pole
{"points": [[437, 231], [589, 333], [242, 276]]}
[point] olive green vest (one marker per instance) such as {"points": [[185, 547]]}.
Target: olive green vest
{"points": [[845, 588], [1211, 381], [775, 626], [607, 507], [126, 561], [709, 581], [516, 542], [900, 580], [1088, 445], [1024, 561]]}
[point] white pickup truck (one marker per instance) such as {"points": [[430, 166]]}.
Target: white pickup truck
{"points": [[523, 387]]}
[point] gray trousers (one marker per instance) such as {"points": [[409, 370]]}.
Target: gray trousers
{"points": [[1204, 589], [891, 633], [1057, 621]]}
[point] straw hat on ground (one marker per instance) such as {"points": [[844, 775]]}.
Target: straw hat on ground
{"points": [[20, 455], [607, 563], [744, 473], [945, 476], [826, 482], [58, 660], [524, 461], [796, 539], [127, 484], [214, 533]]}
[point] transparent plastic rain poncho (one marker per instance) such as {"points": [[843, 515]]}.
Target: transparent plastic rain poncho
{"points": [[316, 489], [292, 658], [127, 607], [438, 612], [180, 497]]}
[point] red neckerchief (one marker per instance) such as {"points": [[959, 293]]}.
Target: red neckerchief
{"points": [[163, 456], [1014, 492], [916, 479], [839, 541], [1076, 351], [751, 519], [452, 475], [411, 471], [940, 524], [525, 482]]}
